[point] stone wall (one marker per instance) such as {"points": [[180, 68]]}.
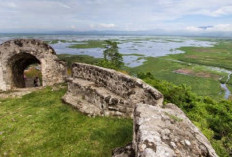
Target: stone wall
{"points": [[16, 55], [100, 91], [159, 130]]}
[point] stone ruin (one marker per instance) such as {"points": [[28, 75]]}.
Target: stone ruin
{"points": [[100, 91], [16, 55], [158, 130]]}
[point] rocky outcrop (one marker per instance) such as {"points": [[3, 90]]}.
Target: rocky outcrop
{"points": [[167, 132], [159, 130], [18, 54], [126, 151], [100, 91]]}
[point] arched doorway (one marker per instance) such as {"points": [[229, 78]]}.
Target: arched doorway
{"points": [[17, 55], [23, 65]]}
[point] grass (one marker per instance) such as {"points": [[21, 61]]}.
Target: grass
{"points": [[89, 44], [219, 56], [173, 117], [39, 124]]}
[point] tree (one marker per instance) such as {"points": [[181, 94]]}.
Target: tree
{"points": [[112, 58]]}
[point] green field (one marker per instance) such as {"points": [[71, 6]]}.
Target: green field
{"points": [[219, 56], [39, 124], [89, 44]]}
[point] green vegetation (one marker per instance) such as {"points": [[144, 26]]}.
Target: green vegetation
{"points": [[89, 44], [112, 58], [39, 124], [203, 81], [33, 71], [213, 117], [219, 56], [175, 118]]}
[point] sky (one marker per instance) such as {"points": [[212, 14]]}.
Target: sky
{"points": [[194, 16]]}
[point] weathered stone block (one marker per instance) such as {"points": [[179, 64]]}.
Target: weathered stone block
{"points": [[167, 132]]}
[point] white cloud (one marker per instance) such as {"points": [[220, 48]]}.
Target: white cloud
{"points": [[115, 14], [11, 5], [63, 5], [104, 25], [193, 29], [225, 10]]}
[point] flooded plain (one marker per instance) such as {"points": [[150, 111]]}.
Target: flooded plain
{"points": [[153, 46]]}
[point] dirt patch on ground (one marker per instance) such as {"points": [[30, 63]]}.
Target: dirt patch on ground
{"points": [[209, 50], [17, 93], [198, 74], [184, 71], [192, 56]]}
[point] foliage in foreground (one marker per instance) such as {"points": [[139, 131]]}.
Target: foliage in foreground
{"points": [[213, 117], [39, 124]]}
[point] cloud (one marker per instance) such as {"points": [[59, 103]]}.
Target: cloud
{"points": [[225, 10], [193, 29], [104, 25], [53, 15]]}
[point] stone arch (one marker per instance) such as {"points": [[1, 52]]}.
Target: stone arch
{"points": [[16, 55]]}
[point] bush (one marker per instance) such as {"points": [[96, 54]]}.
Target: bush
{"points": [[112, 58]]}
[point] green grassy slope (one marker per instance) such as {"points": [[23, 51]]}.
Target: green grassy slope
{"points": [[39, 124]]}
